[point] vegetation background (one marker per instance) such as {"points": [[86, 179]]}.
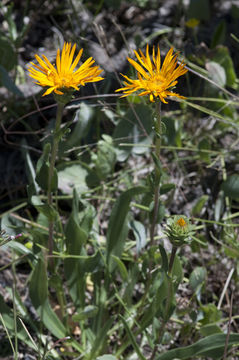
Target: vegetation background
{"points": [[106, 296]]}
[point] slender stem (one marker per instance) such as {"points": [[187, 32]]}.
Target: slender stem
{"points": [[171, 261], [168, 301], [54, 151], [157, 175]]}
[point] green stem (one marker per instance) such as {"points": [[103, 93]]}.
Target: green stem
{"points": [[168, 301], [54, 151], [157, 174]]}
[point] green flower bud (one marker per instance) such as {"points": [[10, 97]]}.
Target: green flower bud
{"points": [[179, 230]]}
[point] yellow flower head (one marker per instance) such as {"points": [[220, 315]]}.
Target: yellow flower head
{"points": [[192, 23], [181, 222], [64, 77], [153, 79]]}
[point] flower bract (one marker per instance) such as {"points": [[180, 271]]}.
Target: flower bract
{"points": [[179, 230], [64, 76], [152, 78]]}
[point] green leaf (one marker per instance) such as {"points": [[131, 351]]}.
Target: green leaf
{"points": [[197, 208], [44, 209], [165, 188], [197, 277], [177, 271], [164, 258], [121, 267], [118, 224], [8, 318], [42, 178], [216, 72], [136, 129], [132, 339], [223, 58], [231, 186], [75, 239], [139, 233], [6, 81], [51, 320], [219, 34], [211, 314], [38, 287], [38, 290], [42, 170], [106, 157], [99, 341], [72, 176], [106, 357], [211, 346], [82, 120], [219, 205], [8, 56], [88, 312], [210, 329]]}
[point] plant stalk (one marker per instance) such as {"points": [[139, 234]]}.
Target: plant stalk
{"points": [[157, 174], [168, 301], [54, 152]]}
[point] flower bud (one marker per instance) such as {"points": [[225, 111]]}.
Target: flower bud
{"points": [[179, 230]]}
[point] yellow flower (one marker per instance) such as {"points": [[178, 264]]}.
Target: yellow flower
{"points": [[153, 79], [63, 77], [192, 23], [181, 222]]}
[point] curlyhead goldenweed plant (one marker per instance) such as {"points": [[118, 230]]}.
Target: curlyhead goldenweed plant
{"points": [[105, 253]]}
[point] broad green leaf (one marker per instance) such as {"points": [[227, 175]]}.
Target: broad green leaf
{"points": [[197, 208], [75, 239], [88, 312], [132, 339], [11, 225], [216, 72], [164, 258], [38, 287], [136, 129], [197, 277], [45, 209], [222, 57], [42, 170], [51, 320], [8, 56], [165, 188], [118, 224], [219, 34], [105, 158], [72, 176], [38, 290], [177, 271], [231, 186], [106, 357], [8, 318], [210, 329], [211, 346], [42, 178], [211, 314], [6, 81], [139, 233], [101, 337], [82, 120], [121, 267]]}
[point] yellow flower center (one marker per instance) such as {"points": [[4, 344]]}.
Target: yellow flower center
{"points": [[181, 222]]}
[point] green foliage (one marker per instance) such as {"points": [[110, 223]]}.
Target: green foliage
{"points": [[212, 346], [112, 287]]}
